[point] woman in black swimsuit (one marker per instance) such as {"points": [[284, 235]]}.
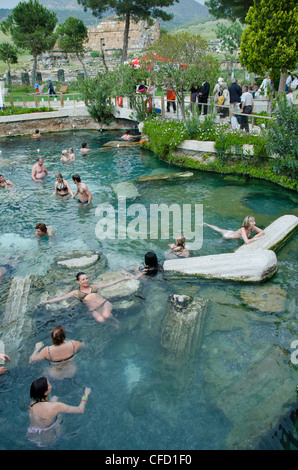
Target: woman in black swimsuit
{"points": [[62, 186], [100, 308], [59, 354]]}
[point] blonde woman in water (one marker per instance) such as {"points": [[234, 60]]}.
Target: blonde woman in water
{"points": [[244, 232]]}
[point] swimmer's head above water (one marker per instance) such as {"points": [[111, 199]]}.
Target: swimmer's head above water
{"points": [[41, 227], [58, 335], [40, 389], [248, 221], [76, 178]]}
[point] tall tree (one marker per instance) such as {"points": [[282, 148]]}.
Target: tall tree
{"points": [[9, 55], [186, 61], [230, 39], [269, 43], [72, 36], [31, 26], [229, 9], [128, 10]]}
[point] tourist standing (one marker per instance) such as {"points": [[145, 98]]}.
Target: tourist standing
{"points": [[247, 104], [171, 100], [203, 97], [51, 88], [235, 95], [85, 197]]}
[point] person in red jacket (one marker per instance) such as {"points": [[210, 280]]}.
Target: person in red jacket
{"points": [[171, 99]]}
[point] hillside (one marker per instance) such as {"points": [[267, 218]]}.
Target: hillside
{"points": [[184, 11]]}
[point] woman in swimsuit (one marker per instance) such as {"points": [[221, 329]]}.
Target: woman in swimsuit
{"points": [[179, 249], [99, 307], [151, 267], [43, 413], [244, 232], [41, 230], [62, 187], [60, 354]]}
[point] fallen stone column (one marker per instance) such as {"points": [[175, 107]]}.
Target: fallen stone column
{"points": [[228, 266]]}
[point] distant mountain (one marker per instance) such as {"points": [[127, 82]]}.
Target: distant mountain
{"points": [[184, 11]]}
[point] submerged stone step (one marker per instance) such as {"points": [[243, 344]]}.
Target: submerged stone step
{"points": [[165, 176], [228, 266], [125, 190]]}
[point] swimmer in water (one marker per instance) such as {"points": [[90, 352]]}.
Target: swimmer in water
{"points": [[6, 184], [2, 358], [179, 249], [39, 171], [151, 267], [64, 156], [100, 308], [60, 354], [244, 232], [42, 230], [71, 155], [44, 412], [62, 187], [36, 135], [84, 148], [85, 197], [127, 136]]}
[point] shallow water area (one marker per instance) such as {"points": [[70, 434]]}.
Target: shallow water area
{"points": [[239, 382]]}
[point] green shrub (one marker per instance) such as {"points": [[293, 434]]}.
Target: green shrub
{"points": [[283, 138], [10, 110], [164, 134]]}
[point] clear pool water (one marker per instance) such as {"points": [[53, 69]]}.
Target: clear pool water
{"points": [[239, 392]]}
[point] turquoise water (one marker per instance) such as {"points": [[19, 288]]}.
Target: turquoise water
{"points": [[242, 382]]}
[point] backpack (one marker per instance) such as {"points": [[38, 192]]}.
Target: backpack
{"points": [[221, 100]]}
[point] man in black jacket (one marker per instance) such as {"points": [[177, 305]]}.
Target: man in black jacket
{"points": [[235, 94], [203, 97]]}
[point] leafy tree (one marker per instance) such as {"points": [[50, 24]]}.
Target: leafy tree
{"points": [[269, 43], [9, 55], [283, 138], [129, 10], [230, 39], [186, 61], [229, 9], [31, 26], [72, 36], [97, 95]]}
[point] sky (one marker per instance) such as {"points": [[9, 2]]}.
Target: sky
{"points": [[13, 3]]}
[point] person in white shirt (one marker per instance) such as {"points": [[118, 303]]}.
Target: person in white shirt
{"points": [[294, 83], [264, 85], [247, 104]]}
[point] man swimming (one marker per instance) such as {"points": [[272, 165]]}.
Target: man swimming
{"points": [[84, 148], [39, 171], [85, 197]]}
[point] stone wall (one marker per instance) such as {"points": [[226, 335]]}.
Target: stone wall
{"points": [[109, 33], [58, 123]]}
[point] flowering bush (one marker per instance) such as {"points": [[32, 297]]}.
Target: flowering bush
{"points": [[164, 134]]}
